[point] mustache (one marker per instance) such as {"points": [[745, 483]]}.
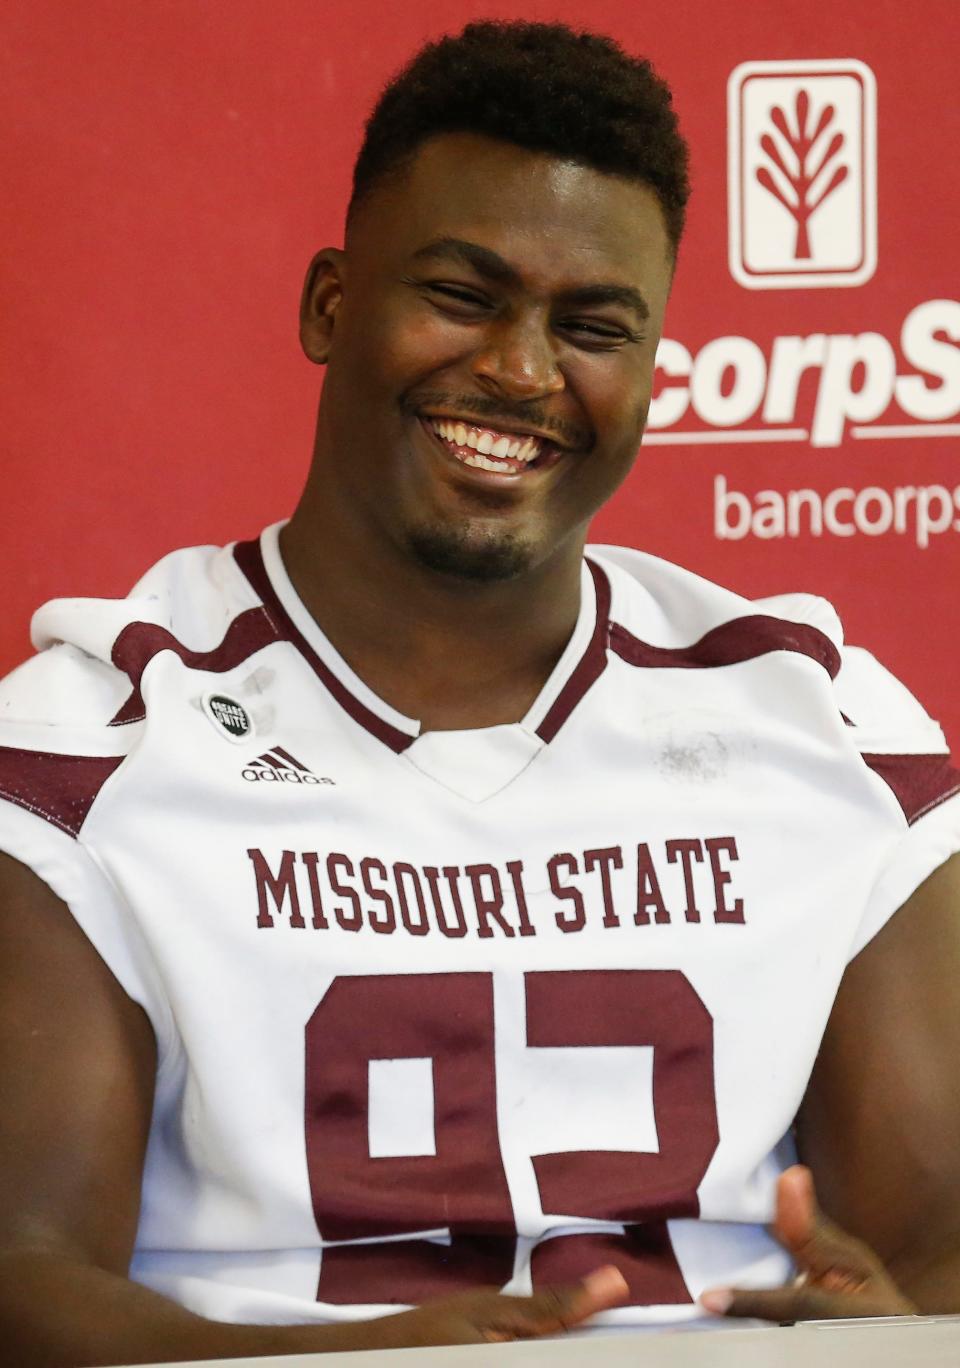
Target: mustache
{"points": [[499, 412]]}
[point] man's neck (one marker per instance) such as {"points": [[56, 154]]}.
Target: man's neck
{"points": [[454, 654]]}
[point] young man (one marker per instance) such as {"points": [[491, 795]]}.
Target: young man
{"points": [[405, 904]]}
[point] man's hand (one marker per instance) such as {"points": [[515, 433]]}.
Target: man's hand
{"points": [[488, 1317], [837, 1275]]}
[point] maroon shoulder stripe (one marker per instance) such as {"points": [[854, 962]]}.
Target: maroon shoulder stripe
{"points": [[919, 782], [591, 666], [139, 642], [59, 788], [250, 560], [744, 638]]}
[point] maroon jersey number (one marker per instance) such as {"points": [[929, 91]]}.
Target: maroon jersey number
{"points": [[462, 1187]]}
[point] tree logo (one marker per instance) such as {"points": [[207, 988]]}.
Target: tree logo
{"points": [[802, 174]]}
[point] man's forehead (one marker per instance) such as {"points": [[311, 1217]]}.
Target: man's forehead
{"points": [[516, 202], [460, 166]]}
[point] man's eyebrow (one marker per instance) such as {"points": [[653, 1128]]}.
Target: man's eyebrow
{"points": [[609, 294], [493, 267], [483, 261]]}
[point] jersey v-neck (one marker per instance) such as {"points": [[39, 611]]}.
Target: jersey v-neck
{"points": [[474, 763]]}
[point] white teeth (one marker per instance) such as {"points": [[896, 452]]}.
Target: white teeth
{"points": [[484, 463], [487, 443]]}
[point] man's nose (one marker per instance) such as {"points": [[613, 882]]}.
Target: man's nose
{"points": [[517, 359]]}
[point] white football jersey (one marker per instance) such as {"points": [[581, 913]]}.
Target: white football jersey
{"points": [[467, 1007]]}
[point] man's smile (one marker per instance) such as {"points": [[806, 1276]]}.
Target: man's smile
{"points": [[500, 451]]}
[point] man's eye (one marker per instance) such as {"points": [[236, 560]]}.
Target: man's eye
{"points": [[458, 294], [604, 335]]}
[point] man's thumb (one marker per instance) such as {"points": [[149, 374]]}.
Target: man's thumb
{"points": [[560, 1308], [796, 1218], [820, 1249]]}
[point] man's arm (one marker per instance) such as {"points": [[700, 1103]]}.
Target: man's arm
{"points": [[77, 1067], [880, 1123], [879, 1129]]}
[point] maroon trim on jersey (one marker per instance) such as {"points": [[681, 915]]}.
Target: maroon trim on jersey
{"points": [[592, 663], [744, 638], [250, 560], [59, 788], [918, 782], [139, 642]]}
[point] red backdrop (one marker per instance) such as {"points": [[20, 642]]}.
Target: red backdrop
{"points": [[169, 166]]}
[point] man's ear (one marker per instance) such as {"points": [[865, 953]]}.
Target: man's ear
{"points": [[322, 293]]}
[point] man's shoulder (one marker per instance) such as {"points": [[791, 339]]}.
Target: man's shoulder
{"points": [[671, 607], [664, 615], [80, 676]]}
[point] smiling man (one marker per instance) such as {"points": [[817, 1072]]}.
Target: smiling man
{"points": [[416, 929], [490, 339]]}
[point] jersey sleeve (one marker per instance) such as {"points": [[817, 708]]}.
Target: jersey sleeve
{"points": [[907, 753], [57, 753], [59, 749]]}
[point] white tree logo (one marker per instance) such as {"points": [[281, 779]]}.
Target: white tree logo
{"points": [[808, 177]]}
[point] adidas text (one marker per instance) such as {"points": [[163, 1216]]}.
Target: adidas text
{"points": [[272, 776], [278, 766]]}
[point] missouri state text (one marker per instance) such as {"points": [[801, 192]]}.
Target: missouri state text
{"points": [[687, 879]]}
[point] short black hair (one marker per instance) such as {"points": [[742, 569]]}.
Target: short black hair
{"points": [[544, 87]]}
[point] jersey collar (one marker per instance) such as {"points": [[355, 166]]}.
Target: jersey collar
{"points": [[581, 664]]}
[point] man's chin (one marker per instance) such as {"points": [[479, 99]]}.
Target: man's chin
{"points": [[478, 560]]}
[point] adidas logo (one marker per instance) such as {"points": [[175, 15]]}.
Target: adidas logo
{"points": [[278, 766]]}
